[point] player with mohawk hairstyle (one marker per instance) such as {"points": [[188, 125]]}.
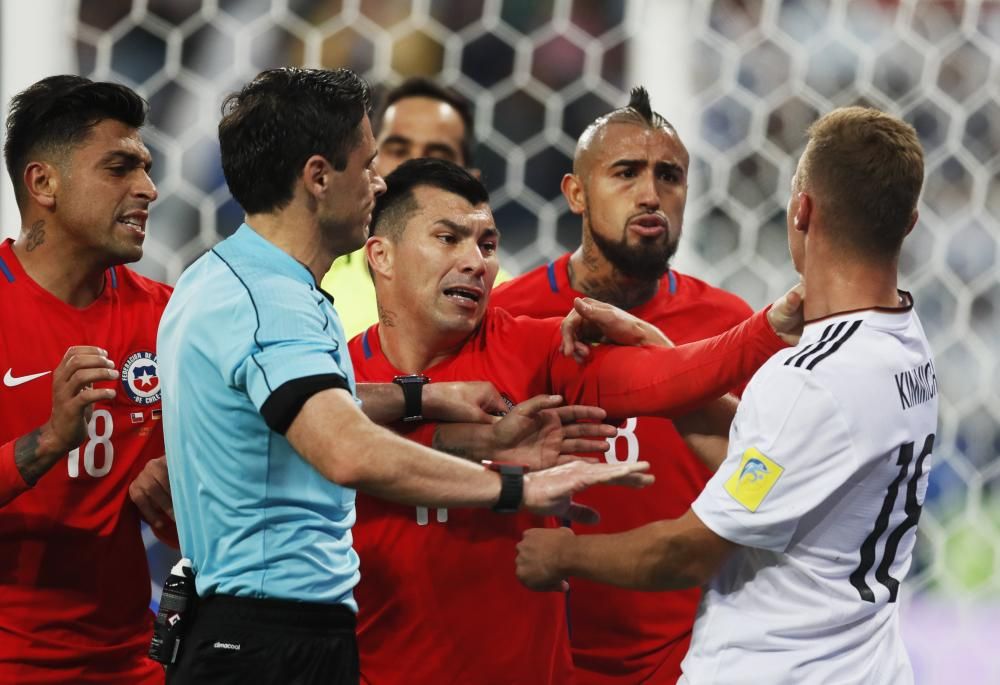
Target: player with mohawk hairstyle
{"points": [[802, 537], [629, 185]]}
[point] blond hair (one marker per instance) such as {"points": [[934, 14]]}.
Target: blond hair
{"points": [[865, 168]]}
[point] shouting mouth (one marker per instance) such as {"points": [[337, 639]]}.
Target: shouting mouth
{"points": [[464, 296], [134, 222]]}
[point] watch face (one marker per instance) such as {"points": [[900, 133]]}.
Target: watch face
{"points": [[411, 379]]}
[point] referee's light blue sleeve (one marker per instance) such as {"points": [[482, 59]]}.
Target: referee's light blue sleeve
{"points": [[789, 452], [298, 350]]}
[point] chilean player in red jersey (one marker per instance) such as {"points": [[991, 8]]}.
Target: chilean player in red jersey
{"points": [[438, 601], [629, 183], [79, 405]]}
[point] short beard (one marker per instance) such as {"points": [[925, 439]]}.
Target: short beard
{"points": [[643, 262]]}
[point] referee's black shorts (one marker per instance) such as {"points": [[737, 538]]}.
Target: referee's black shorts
{"points": [[244, 641]]}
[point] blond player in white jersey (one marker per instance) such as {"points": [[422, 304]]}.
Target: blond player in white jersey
{"points": [[807, 529]]}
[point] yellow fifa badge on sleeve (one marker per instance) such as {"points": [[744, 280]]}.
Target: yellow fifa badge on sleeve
{"points": [[754, 478]]}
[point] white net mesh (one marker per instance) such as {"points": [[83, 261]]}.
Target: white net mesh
{"points": [[765, 70], [538, 72]]}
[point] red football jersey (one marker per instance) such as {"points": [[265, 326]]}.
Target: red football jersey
{"points": [[621, 636], [74, 583], [438, 599]]}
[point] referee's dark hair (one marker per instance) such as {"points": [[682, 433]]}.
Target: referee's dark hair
{"points": [[394, 207], [423, 87], [278, 121], [55, 114]]}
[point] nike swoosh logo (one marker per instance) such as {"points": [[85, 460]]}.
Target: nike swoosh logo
{"points": [[12, 381]]}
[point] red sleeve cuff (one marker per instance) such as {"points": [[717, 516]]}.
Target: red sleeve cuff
{"points": [[771, 339], [12, 482]]}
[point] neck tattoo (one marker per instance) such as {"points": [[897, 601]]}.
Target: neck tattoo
{"points": [[35, 235], [614, 287], [385, 317]]}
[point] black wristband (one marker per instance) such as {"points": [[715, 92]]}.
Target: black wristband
{"points": [[511, 485], [413, 387]]}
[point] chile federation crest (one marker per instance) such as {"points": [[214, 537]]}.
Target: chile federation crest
{"points": [[140, 378]]}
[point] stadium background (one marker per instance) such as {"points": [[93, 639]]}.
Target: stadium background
{"points": [[740, 79]]}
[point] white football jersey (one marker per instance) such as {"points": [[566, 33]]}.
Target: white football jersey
{"points": [[822, 487]]}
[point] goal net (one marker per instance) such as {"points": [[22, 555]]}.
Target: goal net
{"points": [[741, 79]]}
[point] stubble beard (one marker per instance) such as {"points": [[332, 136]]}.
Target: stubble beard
{"points": [[117, 249], [342, 237]]}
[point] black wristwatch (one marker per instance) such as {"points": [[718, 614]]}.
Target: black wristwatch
{"points": [[413, 391], [511, 485]]}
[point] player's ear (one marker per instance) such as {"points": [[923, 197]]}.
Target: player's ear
{"points": [[572, 190], [41, 182], [803, 213], [913, 222], [380, 256]]}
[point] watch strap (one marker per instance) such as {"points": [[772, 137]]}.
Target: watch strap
{"points": [[413, 395], [511, 486]]}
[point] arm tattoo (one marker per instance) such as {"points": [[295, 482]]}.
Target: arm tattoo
{"points": [[462, 451], [31, 466], [35, 235]]}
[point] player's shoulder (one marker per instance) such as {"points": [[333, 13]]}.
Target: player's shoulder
{"points": [[367, 359], [532, 289], [781, 396], [723, 301], [855, 374], [498, 321], [135, 284], [832, 356], [361, 346], [355, 342], [528, 280], [776, 376]]}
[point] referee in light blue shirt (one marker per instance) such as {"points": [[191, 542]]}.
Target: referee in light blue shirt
{"points": [[247, 316], [248, 340], [265, 439]]}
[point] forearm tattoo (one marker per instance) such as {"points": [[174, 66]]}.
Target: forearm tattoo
{"points": [[29, 463]]}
